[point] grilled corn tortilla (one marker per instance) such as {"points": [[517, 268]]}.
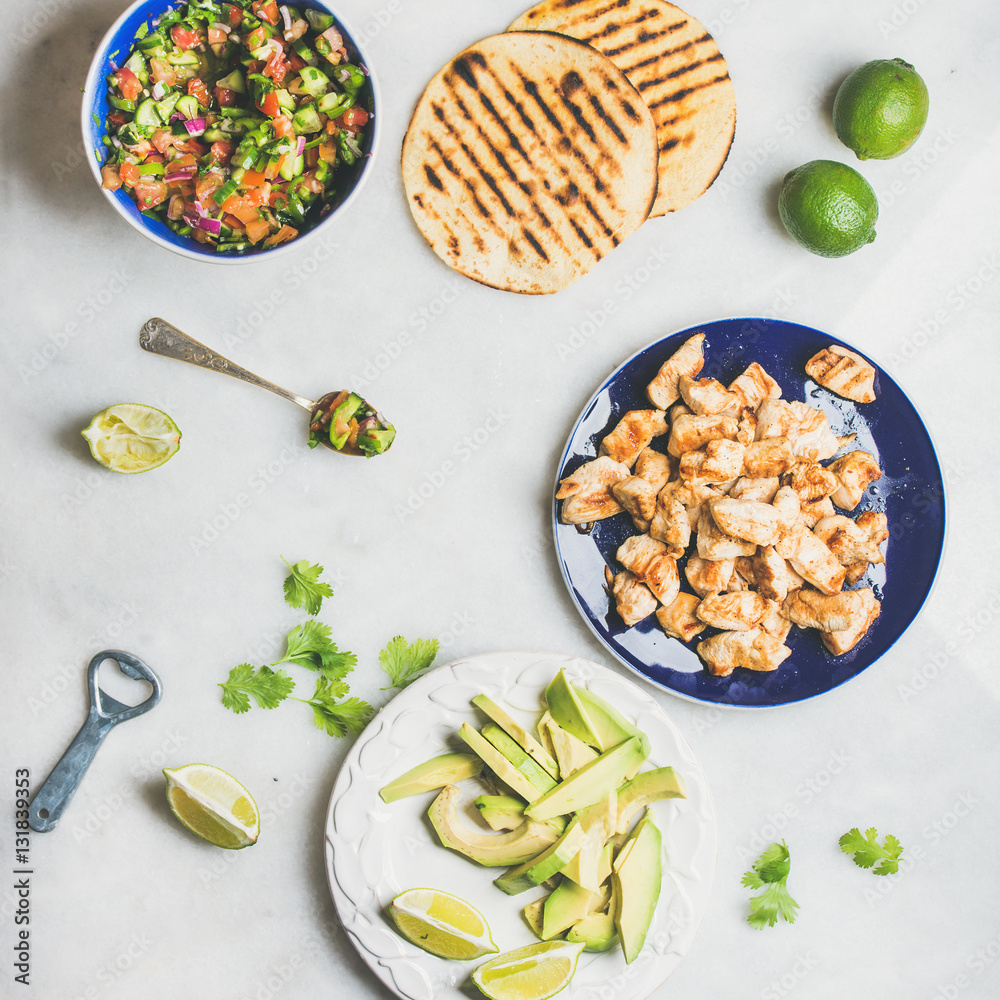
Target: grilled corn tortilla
{"points": [[675, 64], [528, 158]]}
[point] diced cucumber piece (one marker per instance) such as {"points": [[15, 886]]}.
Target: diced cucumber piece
{"points": [[355, 79], [165, 108], [120, 103], [215, 135], [343, 413], [334, 105], [285, 100], [147, 118], [319, 20], [137, 64], [187, 106], [234, 81], [306, 120], [314, 81], [186, 58]]}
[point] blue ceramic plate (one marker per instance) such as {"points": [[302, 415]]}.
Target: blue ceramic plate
{"points": [[910, 493], [114, 50]]}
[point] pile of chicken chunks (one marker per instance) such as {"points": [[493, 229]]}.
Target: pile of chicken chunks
{"points": [[741, 490]]}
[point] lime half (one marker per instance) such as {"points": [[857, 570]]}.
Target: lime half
{"points": [[213, 805], [442, 924], [132, 437], [534, 972]]}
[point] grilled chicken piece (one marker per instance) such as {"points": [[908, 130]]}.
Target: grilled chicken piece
{"points": [[753, 649], [843, 372], [754, 386], [774, 623], [636, 496], [810, 480], [688, 360], [772, 575], [806, 427], [847, 541], [828, 612], [856, 470], [737, 611], [633, 600], [654, 467], [748, 488], [670, 523], [633, 433], [775, 418], [715, 544], [767, 458], [845, 640], [718, 462], [812, 559], [751, 520], [689, 432], [586, 492], [707, 575], [812, 513], [679, 409], [788, 506], [874, 525], [648, 560], [678, 619], [707, 396]]}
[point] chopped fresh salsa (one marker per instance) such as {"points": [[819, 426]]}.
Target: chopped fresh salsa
{"points": [[230, 121], [347, 423]]}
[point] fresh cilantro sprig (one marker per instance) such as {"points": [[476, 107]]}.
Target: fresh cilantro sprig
{"points": [[309, 645], [770, 873], [303, 588], [337, 718], [405, 661], [267, 687], [867, 850]]}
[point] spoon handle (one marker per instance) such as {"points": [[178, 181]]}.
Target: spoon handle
{"points": [[160, 337]]}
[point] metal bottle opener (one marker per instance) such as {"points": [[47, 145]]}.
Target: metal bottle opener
{"points": [[105, 713]]}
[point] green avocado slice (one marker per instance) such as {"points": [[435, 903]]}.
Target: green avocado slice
{"points": [[434, 773], [517, 732], [636, 878]]}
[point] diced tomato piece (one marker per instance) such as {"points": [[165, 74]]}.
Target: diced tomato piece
{"points": [[216, 36], [283, 127], [276, 68], [161, 72], [128, 83], [184, 38], [221, 152], [197, 89], [294, 62], [284, 234], [155, 158], [206, 185], [311, 156], [149, 194], [260, 196], [232, 222], [252, 179], [235, 15], [353, 119], [117, 117], [175, 207], [266, 10], [328, 152], [185, 160], [110, 177], [162, 139], [225, 97], [270, 105], [191, 146], [257, 230], [129, 174], [310, 183], [256, 38]]}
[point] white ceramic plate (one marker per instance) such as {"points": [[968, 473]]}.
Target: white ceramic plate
{"points": [[374, 850]]}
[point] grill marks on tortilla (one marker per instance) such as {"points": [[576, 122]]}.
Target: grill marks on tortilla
{"points": [[528, 158], [675, 64]]}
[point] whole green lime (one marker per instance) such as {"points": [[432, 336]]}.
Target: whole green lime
{"points": [[880, 109], [828, 208]]}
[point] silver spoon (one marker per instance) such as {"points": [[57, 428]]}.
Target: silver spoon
{"points": [[337, 419]]}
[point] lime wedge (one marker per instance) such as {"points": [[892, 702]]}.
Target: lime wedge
{"points": [[534, 972], [442, 924], [213, 805], [132, 437]]}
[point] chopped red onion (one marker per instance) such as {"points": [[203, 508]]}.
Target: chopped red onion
{"points": [[286, 17], [196, 126], [219, 26], [364, 69], [159, 89], [301, 147], [176, 117]]}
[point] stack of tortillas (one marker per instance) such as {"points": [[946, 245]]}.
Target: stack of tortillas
{"points": [[534, 153]]}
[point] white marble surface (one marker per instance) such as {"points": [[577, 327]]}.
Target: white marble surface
{"points": [[181, 566]]}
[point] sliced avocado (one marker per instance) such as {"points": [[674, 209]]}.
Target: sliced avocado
{"points": [[570, 752], [587, 867], [533, 915], [644, 788], [434, 773], [636, 879], [501, 812], [536, 870], [498, 763], [545, 738], [519, 757], [568, 710], [609, 725], [491, 850], [517, 732], [566, 904], [588, 785], [596, 931]]}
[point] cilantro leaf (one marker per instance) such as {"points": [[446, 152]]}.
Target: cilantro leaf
{"points": [[302, 586], [770, 872], [404, 662], [309, 645], [867, 850], [267, 687], [337, 718]]}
